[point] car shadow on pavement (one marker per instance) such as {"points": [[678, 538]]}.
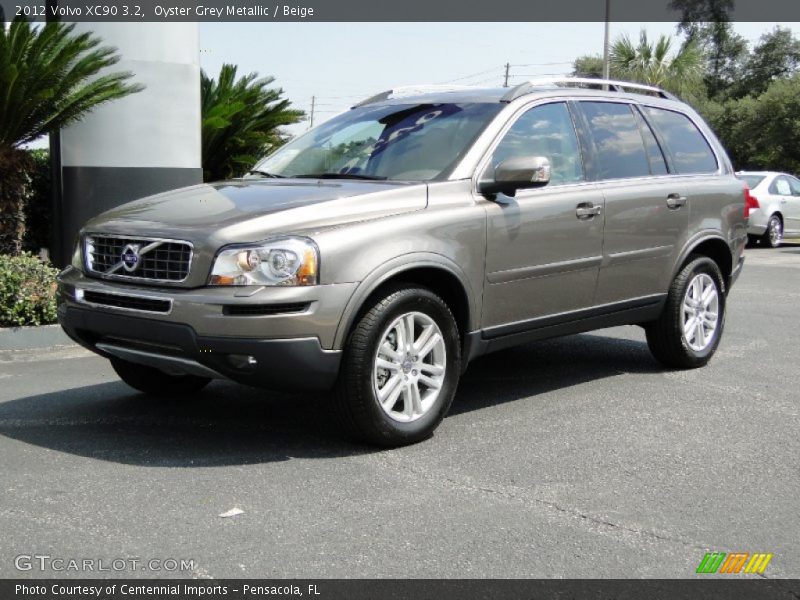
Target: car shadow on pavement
{"points": [[540, 367], [228, 424]]}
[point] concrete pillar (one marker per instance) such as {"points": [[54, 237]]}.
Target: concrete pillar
{"points": [[143, 144]]}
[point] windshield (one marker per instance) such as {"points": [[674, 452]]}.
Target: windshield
{"points": [[751, 180], [418, 142]]}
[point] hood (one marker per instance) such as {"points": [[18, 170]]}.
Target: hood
{"points": [[248, 210]]}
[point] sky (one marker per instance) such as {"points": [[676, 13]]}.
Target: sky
{"points": [[342, 63]]}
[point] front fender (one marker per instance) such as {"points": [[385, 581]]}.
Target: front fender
{"points": [[394, 267]]}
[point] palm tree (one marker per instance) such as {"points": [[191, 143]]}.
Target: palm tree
{"points": [[49, 79], [655, 64], [241, 121]]}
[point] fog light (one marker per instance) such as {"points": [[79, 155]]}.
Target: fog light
{"points": [[242, 361]]}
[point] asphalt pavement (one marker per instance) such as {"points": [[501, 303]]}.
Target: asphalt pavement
{"points": [[575, 457]]}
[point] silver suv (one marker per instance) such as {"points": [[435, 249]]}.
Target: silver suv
{"points": [[381, 252]]}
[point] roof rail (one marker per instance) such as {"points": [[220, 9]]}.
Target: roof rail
{"points": [[610, 84], [412, 90]]}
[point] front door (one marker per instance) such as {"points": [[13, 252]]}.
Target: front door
{"points": [[544, 245]]}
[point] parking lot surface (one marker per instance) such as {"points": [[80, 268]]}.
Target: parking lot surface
{"points": [[574, 457]]}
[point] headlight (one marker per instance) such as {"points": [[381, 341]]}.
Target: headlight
{"points": [[77, 255], [284, 261]]}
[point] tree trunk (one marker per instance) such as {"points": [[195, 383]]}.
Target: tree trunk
{"points": [[14, 190]]}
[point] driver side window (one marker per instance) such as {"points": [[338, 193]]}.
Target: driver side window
{"points": [[547, 131]]}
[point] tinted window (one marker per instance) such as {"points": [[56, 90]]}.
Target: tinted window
{"points": [[620, 149], [545, 131], [751, 180], [795, 184], [689, 149], [780, 187], [655, 157]]}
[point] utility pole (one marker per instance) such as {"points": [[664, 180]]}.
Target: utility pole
{"points": [[313, 102], [505, 82], [606, 69]]}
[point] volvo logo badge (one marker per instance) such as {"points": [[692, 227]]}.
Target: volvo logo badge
{"points": [[130, 257]]}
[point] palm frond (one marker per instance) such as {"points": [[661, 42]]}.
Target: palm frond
{"points": [[51, 77], [241, 121]]}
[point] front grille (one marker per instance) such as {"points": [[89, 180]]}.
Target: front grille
{"points": [[128, 302], [251, 310], [155, 259]]}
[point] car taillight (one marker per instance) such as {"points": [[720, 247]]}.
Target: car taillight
{"points": [[750, 202]]}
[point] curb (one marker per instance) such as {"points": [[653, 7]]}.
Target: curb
{"points": [[32, 338]]}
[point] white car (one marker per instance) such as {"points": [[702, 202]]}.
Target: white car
{"points": [[775, 214]]}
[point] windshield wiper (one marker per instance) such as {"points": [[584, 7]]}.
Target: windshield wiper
{"points": [[340, 176], [265, 174]]}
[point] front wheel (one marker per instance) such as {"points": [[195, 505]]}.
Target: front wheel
{"points": [[155, 382], [687, 333], [400, 369]]}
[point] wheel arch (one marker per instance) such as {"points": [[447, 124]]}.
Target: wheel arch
{"points": [[715, 248], [433, 271]]}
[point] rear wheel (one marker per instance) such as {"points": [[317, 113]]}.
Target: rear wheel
{"points": [[687, 333], [400, 369], [155, 381], [773, 236]]}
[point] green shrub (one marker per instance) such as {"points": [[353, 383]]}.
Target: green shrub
{"points": [[37, 205], [27, 291]]}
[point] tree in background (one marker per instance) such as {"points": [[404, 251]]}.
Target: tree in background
{"points": [[706, 23], [776, 55], [762, 132], [50, 78], [241, 121], [590, 65], [655, 63]]}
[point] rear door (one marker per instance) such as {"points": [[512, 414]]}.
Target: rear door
{"points": [[646, 215], [790, 206]]}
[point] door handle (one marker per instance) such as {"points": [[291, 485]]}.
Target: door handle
{"points": [[675, 201], [588, 210]]}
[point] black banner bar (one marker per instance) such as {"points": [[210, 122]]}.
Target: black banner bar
{"points": [[397, 589], [376, 11]]}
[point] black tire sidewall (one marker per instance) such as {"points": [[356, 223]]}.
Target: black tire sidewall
{"points": [[411, 300], [696, 267], [770, 226]]}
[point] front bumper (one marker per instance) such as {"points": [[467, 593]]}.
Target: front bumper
{"points": [[292, 350]]}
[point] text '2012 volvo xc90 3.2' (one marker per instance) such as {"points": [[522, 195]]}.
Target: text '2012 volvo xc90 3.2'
{"points": [[382, 251]]}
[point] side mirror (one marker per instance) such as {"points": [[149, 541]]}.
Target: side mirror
{"points": [[515, 174]]}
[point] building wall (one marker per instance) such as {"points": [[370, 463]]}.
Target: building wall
{"points": [[144, 144]]}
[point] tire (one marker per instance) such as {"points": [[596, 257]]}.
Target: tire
{"points": [[155, 382], [405, 416], [665, 336], [773, 236]]}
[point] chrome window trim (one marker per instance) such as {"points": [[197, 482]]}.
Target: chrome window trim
{"points": [[114, 276]]}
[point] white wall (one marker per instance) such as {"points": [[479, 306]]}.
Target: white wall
{"points": [[158, 127]]}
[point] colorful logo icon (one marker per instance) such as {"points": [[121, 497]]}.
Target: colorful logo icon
{"points": [[734, 562]]}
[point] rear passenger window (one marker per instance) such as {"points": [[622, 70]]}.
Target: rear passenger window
{"points": [[620, 149], [781, 187], [689, 149]]}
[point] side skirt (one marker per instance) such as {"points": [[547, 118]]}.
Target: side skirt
{"points": [[630, 312]]}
